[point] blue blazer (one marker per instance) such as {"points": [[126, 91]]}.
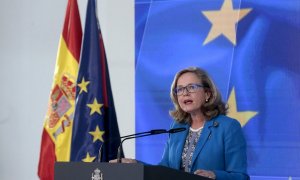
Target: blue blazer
{"points": [[221, 148]]}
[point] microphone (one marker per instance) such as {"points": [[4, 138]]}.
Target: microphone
{"points": [[176, 130], [155, 131], [143, 134]]}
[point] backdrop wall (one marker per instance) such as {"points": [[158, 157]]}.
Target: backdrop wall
{"points": [[251, 50]]}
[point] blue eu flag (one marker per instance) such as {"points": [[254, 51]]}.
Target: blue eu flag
{"points": [[95, 121], [251, 50]]}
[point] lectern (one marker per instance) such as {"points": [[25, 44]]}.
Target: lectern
{"points": [[118, 171]]}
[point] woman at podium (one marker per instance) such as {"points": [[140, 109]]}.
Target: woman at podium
{"points": [[213, 144]]}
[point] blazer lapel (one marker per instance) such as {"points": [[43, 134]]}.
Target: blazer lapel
{"points": [[202, 140], [181, 136]]}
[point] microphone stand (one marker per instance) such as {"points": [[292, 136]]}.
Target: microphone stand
{"points": [[138, 135], [100, 153]]}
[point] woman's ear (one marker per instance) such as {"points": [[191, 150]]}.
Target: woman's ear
{"points": [[207, 95]]}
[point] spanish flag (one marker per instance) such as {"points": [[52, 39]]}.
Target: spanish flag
{"points": [[57, 131]]}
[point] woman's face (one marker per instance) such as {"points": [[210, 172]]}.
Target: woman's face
{"points": [[191, 102]]}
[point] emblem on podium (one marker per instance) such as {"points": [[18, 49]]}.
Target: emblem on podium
{"points": [[97, 175]]}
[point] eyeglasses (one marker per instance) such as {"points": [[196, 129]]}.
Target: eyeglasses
{"points": [[191, 88]]}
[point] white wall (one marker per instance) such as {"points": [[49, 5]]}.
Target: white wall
{"points": [[29, 36]]}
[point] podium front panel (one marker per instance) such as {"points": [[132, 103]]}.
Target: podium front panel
{"points": [[118, 171], [98, 171]]}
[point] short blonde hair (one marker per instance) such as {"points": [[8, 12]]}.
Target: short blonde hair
{"points": [[214, 107]]}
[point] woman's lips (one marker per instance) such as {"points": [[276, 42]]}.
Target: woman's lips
{"points": [[188, 101]]}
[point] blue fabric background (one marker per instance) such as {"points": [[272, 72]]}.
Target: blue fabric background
{"points": [[263, 67]]}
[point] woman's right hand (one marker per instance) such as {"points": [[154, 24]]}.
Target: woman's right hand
{"points": [[124, 160]]}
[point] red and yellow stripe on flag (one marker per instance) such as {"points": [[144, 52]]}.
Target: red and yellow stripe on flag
{"points": [[57, 132]]}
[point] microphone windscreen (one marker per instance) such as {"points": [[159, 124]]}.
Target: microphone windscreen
{"points": [[158, 131], [176, 130]]}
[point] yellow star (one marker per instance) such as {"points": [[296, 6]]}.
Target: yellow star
{"points": [[95, 107], [97, 134], [242, 117], [83, 85], [88, 158], [224, 21]]}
